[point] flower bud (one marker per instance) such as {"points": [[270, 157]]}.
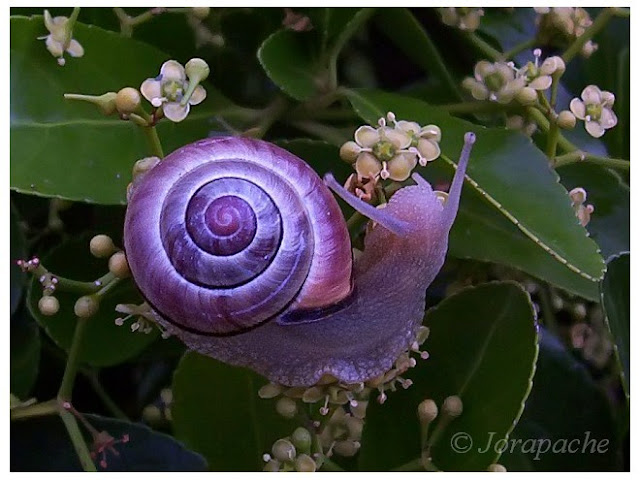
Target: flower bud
{"points": [[349, 151], [106, 102], [283, 450], [301, 439], [48, 305], [427, 411], [588, 49], [143, 165], [101, 246], [313, 394], [526, 96], [197, 69], [452, 406], [566, 120], [86, 306], [496, 467], [304, 463], [118, 265], [346, 448], [355, 426], [127, 100], [286, 407], [270, 390]]}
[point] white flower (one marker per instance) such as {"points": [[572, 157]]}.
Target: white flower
{"points": [[392, 152], [170, 89], [494, 81], [595, 109], [464, 18], [59, 39]]}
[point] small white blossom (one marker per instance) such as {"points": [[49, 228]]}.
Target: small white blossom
{"points": [[464, 18], [494, 81], [168, 91], [595, 109], [59, 39]]}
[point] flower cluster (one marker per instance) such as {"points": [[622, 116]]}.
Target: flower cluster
{"points": [[595, 107], [583, 212], [560, 26], [292, 453], [464, 18], [392, 151], [60, 38], [177, 88], [502, 82]]}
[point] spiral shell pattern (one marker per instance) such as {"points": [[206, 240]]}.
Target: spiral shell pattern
{"points": [[227, 233]]}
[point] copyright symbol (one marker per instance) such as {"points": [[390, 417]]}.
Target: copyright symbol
{"points": [[461, 442]]}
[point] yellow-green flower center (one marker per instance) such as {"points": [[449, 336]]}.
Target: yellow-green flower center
{"points": [[494, 81], [384, 151], [594, 111], [172, 90]]}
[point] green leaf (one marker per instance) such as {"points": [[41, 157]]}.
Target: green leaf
{"points": [[104, 343], [25, 353], [145, 451], [404, 30], [565, 405], [67, 148], [18, 251], [288, 58], [511, 174], [487, 358], [217, 412], [616, 302], [609, 224]]}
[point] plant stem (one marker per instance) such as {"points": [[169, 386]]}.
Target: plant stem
{"points": [[574, 154], [78, 440], [580, 156], [50, 407], [352, 26], [153, 140], [66, 387], [519, 48], [439, 66], [598, 24], [484, 47]]}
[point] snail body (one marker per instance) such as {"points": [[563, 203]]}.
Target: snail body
{"points": [[242, 252]]}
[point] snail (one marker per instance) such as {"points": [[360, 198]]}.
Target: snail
{"points": [[242, 252]]}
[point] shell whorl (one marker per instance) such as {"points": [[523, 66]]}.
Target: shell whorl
{"points": [[227, 233]]}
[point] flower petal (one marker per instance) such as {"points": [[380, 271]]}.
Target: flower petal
{"points": [[591, 95], [172, 70], [608, 119], [55, 48], [75, 49], [366, 136], [409, 127], [577, 108], [608, 99], [151, 88], [401, 165], [198, 95], [175, 112], [431, 132], [398, 138], [367, 164], [482, 69], [541, 83], [594, 129], [429, 149], [578, 195]]}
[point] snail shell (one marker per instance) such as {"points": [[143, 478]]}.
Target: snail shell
{"points": [[243, 253]]}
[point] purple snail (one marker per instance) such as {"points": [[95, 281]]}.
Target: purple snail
{"points": [[242, 252]]}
